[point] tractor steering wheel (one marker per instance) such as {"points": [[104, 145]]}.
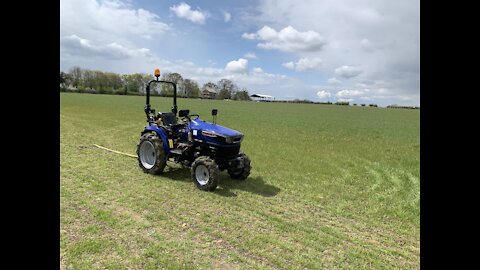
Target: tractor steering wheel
{"points": [[197, 116]]}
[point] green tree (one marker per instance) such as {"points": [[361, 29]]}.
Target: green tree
{"points": [[191, 88], [98, 80], [76, 73], [113, 80], [62, 77], [135, 82], [242, 95], [88, 78], [167, 89], [227, 89]]}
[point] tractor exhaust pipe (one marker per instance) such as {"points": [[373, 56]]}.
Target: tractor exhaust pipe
{"points": [[174, 107]]}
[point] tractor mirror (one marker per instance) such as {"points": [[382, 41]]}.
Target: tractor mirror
{"points": [[183, 113], [214, 112]]}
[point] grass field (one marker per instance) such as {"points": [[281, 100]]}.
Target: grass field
{"points": [[332, 187]]}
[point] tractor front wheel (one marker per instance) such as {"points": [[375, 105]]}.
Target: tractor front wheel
{"points": [[241, 173], [150, 154], [205, 173]]}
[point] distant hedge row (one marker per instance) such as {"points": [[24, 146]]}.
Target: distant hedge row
{"points": [[402, 107], [103, 91]]}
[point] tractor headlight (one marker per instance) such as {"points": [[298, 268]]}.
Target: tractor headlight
{"points": [[234, 139]]}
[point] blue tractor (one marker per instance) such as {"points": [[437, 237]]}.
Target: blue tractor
{"points": [[206, 148]]}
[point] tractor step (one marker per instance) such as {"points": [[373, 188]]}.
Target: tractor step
{"points": [[176, 151]]}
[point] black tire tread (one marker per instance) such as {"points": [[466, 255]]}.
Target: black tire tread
{"points": [[245, 171]]}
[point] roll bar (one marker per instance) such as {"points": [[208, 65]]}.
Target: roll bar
{"points": [[147, 106]]}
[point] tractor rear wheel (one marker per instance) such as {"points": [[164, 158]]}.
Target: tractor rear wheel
{"points": [[242, 173], [205, 173], [150, 154]]}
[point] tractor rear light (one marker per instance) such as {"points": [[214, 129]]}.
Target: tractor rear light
{"points": [[157, 72]]}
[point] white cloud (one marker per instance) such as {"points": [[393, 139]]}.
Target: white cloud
{"points": [[107, 35], [289, 65], [349, 93], [250, 55], [305, 64], [348, 71], [227, 16], [380, 37], [237, 66], [288, 39], [183, 10], [323, 94], [108, 21], [257, 80], [77, 46], [249, 35], [334, 81], [208, 71]]}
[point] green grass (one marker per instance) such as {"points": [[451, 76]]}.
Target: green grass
{"points": [[332, 187]]}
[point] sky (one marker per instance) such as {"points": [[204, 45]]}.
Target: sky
{"points": [[361, 51]]}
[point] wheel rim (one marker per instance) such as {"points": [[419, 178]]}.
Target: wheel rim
{"points": [[147, 155], [201, 174]]}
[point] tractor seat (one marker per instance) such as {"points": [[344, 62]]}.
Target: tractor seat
{"points": [[168, 118]]}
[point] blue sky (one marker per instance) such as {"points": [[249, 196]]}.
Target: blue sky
{"points": [[354, 50]]}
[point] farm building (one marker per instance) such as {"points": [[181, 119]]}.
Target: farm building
{"points": [[260, 97], [209, 92]]}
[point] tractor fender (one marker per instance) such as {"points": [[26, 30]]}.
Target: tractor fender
{"points": [[161, 133]]}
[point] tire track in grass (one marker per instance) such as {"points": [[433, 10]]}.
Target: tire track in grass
{"points": [[368, 232], [266, 216], [177, 190], [360, 242], [183, 209], [389, 180], [406, 185]]}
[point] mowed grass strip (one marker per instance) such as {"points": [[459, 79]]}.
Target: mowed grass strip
{"points": [[332, 187]]}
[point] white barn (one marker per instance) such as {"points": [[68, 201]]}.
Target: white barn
{"points": [[260, 97]]}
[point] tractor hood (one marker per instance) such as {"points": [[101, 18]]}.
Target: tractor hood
{"points": [[201, 125]]}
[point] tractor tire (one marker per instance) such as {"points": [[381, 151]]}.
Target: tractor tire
{"points": [[150, 154], [243, 173], [205, 173]]}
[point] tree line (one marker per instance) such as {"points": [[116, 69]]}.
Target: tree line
{"points": [[95, 81]]}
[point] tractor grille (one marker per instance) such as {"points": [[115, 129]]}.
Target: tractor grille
{"points": [[227, 152]]}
